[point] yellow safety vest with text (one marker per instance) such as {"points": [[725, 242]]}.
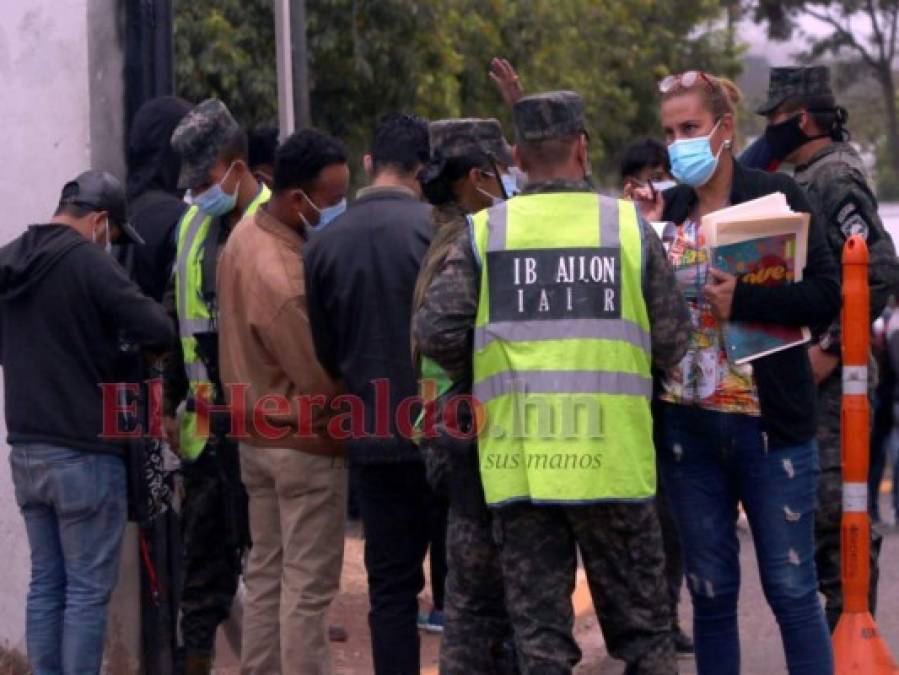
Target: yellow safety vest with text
{"points": [[562, 351], [193, 313]]}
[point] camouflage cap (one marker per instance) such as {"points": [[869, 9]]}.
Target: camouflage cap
{"points": [[798, 82], [200, 138], [549, 115], [461, 136]]}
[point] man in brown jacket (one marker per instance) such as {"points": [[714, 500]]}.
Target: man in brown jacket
{"points": [[280, 397]]}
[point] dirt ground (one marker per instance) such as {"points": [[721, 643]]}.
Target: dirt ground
{"points": [[350, 610]]}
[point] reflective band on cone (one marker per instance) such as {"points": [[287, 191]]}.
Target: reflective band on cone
{"points": [[855, 497], [855, 380]]}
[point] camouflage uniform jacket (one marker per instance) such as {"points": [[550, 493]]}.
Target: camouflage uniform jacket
{"points": [[450, 222], [451, 465], [443, 324], [835, 181]]}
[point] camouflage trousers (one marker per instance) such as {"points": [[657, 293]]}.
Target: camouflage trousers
{"points": [[621, 548], [477, 638], [214, 534], [829, 511]]}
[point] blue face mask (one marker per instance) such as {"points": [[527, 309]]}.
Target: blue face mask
{"points": [[332, 212], [510, 185], [215, 201], [692, 161], [520, 177], [325, 215]]}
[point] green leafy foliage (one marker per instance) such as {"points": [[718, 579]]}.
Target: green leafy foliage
{"points": [[226, 49], [369, 57]]}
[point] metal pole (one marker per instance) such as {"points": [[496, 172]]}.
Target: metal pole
{"points": [[302, 114], [286, 119], [149, 60]]}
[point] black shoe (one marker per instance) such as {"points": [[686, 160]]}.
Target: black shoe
{"points": [[683, 645]]}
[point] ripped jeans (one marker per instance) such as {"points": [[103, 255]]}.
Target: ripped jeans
{"points": [[709, 462]]}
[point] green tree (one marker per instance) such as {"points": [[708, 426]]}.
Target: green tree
{"points": [[226, 49], [862, 31], [369, 57]]}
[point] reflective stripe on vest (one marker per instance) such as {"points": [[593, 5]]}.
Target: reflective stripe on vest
{"points": [[562, 362], [193, 313]]}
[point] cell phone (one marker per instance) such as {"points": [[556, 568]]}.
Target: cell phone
{"points": [[648, 183]]}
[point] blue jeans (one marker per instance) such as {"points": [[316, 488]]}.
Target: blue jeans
{"points": [[75, 506], [709, 462]]}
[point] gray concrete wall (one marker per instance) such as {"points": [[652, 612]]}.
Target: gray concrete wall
{"points": [[106, 67], [62, 69]]}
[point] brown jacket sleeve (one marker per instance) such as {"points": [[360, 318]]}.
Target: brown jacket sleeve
{"points": [[288, 338]]}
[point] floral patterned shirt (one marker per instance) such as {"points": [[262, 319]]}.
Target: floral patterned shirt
{"points": [[704, 377]]}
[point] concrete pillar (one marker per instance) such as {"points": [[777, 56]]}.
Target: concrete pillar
{"points": [[62, 65]]}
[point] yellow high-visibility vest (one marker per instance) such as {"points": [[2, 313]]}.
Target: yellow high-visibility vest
{"points": [[193, 313], [562, 351]]}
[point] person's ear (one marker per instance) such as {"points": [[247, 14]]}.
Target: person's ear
{"points": [[99, 219], [583, 156], [727, 131], [241, 169], [368, 165], [297, 201], [805, 122], [476, 176], [727, 125], [230, 180], [517, 159]]}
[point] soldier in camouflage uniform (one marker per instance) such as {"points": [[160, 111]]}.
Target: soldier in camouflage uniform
{"points": [[464, 176], [214, 515], [805, 128], [621, 544]]}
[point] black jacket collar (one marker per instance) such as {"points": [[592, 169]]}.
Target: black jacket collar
{"points": [[681, 200]]}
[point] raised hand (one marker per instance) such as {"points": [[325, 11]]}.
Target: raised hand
{"points": [[507, 81]]}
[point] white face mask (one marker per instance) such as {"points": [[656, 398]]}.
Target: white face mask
{"points": [[663, 185], [494, 200], [108, 245]]}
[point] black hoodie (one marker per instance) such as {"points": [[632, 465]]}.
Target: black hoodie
{"points": [[63, 305], [153, 197]]}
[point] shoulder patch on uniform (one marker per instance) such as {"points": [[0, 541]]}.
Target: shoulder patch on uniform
{"points": [[850, 218]]}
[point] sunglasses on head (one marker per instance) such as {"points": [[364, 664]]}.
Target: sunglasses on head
{"points": [[684, 80]]}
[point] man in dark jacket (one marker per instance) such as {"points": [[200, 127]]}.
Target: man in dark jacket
{"points": [[156, 206], [154, 199], [360, 277], [63, 306]]}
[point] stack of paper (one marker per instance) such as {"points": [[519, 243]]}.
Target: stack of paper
{"points": [[763, 242]]}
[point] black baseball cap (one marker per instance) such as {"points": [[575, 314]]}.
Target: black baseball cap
{"points": [[101, 191]]}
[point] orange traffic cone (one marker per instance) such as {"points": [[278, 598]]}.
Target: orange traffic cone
{"points": [[858, 647]]}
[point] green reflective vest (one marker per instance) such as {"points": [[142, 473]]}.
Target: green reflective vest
{"points": [[562, 351], [433, 382], [194, 315]]}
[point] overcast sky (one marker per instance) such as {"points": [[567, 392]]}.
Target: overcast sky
{"points": [[779, 53]]}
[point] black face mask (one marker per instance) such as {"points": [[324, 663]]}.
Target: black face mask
{"points": [[786, 137]]}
